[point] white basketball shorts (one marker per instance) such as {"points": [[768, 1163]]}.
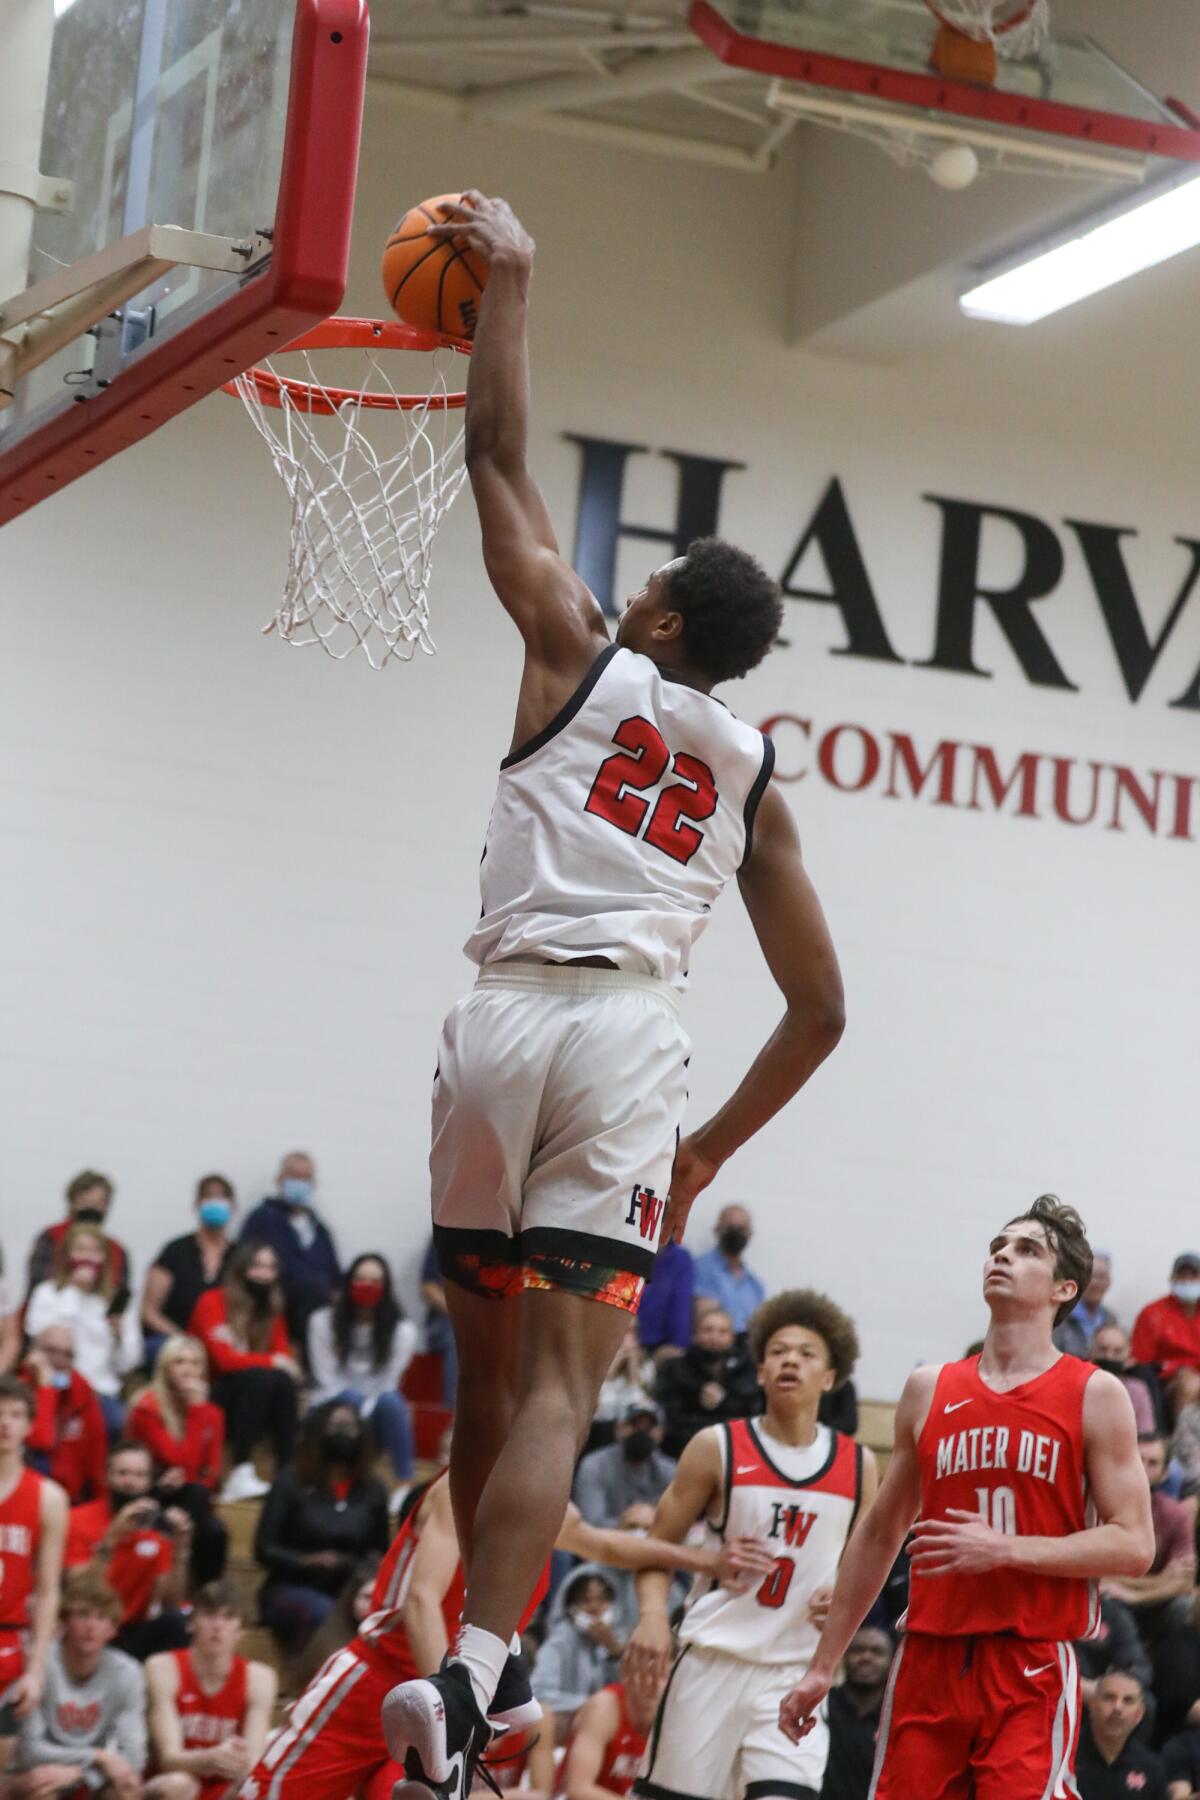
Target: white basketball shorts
{"points": [[556, 1111], [717, 1736]]}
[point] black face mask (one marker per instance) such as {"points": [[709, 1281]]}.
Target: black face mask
{"points": [[1109, 1365], [259, 1291], [733, 1240], [639, 1446], [89, 1215], [340, 1446]]}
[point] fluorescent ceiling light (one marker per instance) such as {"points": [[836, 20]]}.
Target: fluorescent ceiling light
{"points": [[1096, 257]]}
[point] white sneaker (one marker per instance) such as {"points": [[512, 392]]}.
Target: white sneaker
{"points": [[243, 1484]]}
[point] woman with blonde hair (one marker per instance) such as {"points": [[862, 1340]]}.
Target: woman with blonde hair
{"points": [[185, 1434], [254, 1373], [108, 1339]]}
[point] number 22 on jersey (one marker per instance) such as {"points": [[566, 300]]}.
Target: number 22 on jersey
{"points": [[643, 761]]}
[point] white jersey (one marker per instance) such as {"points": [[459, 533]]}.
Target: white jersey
{"points": [[615, 828], [802, 1504]]}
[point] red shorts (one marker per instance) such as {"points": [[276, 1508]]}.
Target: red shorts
{"points": [[331, 1740], [979, 1718]]}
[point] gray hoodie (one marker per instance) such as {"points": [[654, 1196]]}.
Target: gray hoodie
{"points": [[569, 1667]]}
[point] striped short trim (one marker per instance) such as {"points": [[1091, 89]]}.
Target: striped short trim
{"points": [[316, 1705]]}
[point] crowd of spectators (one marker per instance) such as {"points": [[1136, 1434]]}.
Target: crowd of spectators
{"points": [[253, 1364]]}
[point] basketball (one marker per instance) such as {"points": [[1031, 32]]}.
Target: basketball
{"points": [[432, 285]]}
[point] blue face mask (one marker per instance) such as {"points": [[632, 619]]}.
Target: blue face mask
{"points": [[1187, 1291], [295, 1190], [215, 1213], [60, 1378]]}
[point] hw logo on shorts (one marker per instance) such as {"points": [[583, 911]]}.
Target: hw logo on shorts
{"points": [[645, 1210]]}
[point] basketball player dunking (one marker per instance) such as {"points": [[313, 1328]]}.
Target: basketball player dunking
{"points": [[1023, 1464], [628, 799], [33, 1530], [799, 1488]]}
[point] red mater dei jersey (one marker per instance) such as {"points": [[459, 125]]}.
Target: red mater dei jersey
{"points": [[1017, 1460], [20, 1525], [208, 1719], [381, 1639]]}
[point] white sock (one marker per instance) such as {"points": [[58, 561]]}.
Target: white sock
{"points": [[483, 1655]]}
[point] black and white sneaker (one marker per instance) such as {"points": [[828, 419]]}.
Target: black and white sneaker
{"points": [[436, 1730], [514, 1707]]}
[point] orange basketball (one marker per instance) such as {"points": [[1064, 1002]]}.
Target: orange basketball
{"points": [[429, 284]]}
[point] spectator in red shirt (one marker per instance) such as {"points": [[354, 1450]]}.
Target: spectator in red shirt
{"points": [[185, 1434], [1167, 1332], [139, 1548], [254, 1373], [89, 1200], [67, 1439]]}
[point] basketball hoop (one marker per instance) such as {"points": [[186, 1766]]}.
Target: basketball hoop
{"points": [[974, 34], [363, 516]]}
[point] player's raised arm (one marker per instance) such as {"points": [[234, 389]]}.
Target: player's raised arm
{"points": [[558, 617], [870, 1553], [791, 930]]}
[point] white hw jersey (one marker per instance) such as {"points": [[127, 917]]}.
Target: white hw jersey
{"points": [[616, 827], [802, 1504]]}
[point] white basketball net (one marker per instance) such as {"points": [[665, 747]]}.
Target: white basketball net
{"points": [[987, 19], [363, 520]]}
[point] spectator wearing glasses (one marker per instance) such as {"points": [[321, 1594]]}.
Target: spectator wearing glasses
{"points": [[67, 1440]]}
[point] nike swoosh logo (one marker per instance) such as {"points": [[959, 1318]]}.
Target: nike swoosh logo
{"points": [[956, 1405], [1040, 1671], [748, 1470]]}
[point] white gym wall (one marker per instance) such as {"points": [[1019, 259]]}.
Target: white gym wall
{"points": [[237, 877]]}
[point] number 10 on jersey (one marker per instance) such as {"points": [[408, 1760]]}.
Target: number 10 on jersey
{"points": [[998, 1508]]}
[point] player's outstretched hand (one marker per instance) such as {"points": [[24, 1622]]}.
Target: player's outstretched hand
{"points": [[485, 226], [959, 1544], [741, 1562], [648, 1652], [798, 1710], [691, 1175]]}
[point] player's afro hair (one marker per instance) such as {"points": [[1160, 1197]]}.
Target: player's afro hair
{"points": [[1066, 1234], [816, 1313], [731, 608]]}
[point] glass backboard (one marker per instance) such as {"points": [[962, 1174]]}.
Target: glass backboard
{"points": [[877, 53], [236, 120]]}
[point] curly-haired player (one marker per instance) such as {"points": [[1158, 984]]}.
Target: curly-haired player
{"points": [[797, 1486], [628, 799], [1023, 1467]]}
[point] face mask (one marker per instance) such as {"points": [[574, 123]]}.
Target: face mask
{"points": [[366, 1293], [733, 1240], [1187, 1291], [259, 1290], [83, 1262], [215, 1213], [639, 1446], [60, 1378], [583, 1620], [1109, 1364], [89, 1215], [340, 1446], [296, 1190]]}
